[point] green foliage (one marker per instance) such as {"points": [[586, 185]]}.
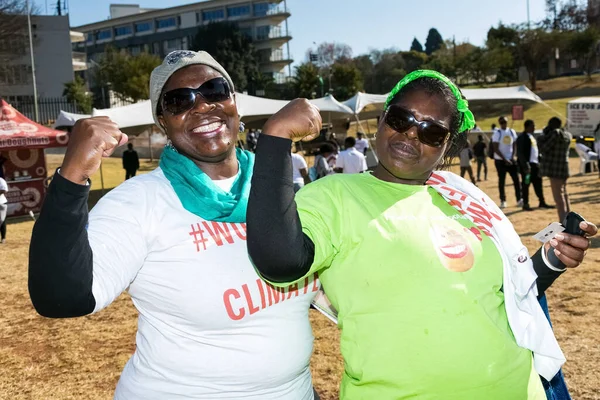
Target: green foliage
{"points": [[434, 41], [76, 92], [306, 81], [234, 51], [128, 76], [346, 80], [582, 45], [416, 46]]}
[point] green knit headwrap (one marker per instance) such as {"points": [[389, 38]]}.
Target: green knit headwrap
{"points": [[468, 119]]}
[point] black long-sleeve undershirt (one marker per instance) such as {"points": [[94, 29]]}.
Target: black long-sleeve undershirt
{"points": [[277, 246], [60, 256]]}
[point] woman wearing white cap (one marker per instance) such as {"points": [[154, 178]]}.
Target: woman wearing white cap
{"points": [[208, 327]]}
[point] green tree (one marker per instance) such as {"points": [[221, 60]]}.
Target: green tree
{"points": [[533, 47], [346, 79], [582, 45], [568, 15], [413, 60], [235, 52], [389, 68], [416, 46], [128, 75], [365, 65], [504, 39], [434, 41], [307, 80], [76, 92]]}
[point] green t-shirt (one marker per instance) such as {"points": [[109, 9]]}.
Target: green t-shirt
{"points": [[418, 292]]}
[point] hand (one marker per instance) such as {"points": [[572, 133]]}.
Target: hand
{"points": [[90, 140], [571, 249], [298, 120]]}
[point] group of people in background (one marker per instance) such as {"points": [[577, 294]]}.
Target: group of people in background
{"points": [[526, 159], [330, 160]]}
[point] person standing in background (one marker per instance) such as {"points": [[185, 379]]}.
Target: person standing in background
{"points": [[528, 159], [3, 210], [554, 146], [597, 144], [479, 150], [324, 161], [504, 142], [362, 144], [2, 161], [466, 155], [131, 161], [300, 172], [351, 161]]}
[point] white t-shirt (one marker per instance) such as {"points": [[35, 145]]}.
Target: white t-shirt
{"points": [[505, 139], [465, 157], [351, 161], [298, 163], [3, 186], [209, 327], [534, 157], [361, 145]]}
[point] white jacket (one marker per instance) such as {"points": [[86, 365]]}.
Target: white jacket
{"points": [[527, 320]]}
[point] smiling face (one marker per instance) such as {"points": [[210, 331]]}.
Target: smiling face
{"points": [[207, 132], [401, 153]]}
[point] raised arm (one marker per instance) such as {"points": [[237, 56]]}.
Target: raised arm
{"points": [[278, 247], [77, 264]]}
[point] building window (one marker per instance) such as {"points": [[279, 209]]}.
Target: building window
{"points": [[89, 38], [156, 48], [102, 35], [143, 27], [123, 31], [166, 23], [264, 55], [173, 44], [246, 31], [262, 32], [262, 9], [238, 11], [15, 74], [213, 15], [135, 50]]}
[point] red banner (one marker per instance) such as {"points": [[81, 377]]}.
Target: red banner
{"points": [[25, 173], [518, 113]]}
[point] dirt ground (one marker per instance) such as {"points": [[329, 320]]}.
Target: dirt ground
{"points": [[82, 358]]}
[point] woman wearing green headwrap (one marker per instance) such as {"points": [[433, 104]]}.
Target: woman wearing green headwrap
{"points": [[436, 295]]}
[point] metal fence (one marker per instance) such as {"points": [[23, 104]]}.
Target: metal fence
{"points": [[48, 107]]}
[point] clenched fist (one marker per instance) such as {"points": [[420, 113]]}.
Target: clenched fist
{"points": [[90, 140], [298, 120]]}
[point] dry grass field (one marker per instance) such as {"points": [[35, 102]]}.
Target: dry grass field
{"points": [[82, 358]]}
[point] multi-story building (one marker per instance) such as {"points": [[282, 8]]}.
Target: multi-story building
{"points": [[54, 59], [159, 31]]}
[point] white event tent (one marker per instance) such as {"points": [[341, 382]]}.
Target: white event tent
{"points": [[251, 108]]}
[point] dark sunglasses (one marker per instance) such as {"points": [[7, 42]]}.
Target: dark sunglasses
{"points": [[428, 132], [178, 101]]}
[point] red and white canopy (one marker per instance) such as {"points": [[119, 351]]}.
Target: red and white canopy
{"points": [[19, 132]]}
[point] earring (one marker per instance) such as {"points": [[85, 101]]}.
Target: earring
{"points": [[170, 145], [242, 127]]}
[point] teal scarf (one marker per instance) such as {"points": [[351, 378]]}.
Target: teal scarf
{"points": [[199, 195]]}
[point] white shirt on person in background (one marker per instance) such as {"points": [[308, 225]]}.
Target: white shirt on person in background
{"points": [[3, 186], [298, 163], [505, 139], [361, 145], [351, 161], [208, 327], [534, 157]]}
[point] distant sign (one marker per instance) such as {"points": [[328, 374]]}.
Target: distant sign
{"points": [[583, 118], [518, 113]]}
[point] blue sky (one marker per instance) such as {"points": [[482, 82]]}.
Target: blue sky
{"points": [[362, 24]]}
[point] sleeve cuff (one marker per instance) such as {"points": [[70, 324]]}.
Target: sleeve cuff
{"points": [[548, 264], [64, 185]]}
